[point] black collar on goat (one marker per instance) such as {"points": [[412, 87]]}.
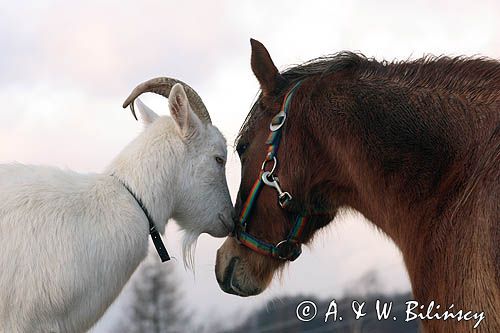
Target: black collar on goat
{"points": [[155, 235]]}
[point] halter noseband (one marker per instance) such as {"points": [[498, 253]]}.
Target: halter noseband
{"points": [[289, 248]]}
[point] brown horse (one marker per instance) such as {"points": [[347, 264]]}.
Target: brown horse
{"points": [[414, 146]]}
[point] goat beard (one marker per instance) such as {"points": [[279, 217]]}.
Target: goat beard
{"points": [[189, 241]]}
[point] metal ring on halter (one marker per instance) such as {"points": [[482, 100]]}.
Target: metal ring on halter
{"points": [[274, 165], [281, 116], [285, 248]]}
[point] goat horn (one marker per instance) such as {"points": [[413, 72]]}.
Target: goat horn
{"points": [[162, 86]]}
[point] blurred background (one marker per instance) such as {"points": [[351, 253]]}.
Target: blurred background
{"points": [[67, 66]]}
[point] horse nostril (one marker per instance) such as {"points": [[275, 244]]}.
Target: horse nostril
{"points": [[228, 283]]}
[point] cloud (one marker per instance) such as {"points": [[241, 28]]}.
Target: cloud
{"points": [[108, 47]]}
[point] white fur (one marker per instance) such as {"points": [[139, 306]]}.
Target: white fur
{"points": [[69, 242]]}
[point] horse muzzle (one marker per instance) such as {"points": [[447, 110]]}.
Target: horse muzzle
{"points": [[231, 272]]}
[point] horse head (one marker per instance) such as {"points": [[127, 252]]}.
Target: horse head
{"points": [[277, 214]]}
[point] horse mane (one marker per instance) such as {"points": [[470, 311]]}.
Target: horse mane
{"points": [[471, 76], [477, 79]]}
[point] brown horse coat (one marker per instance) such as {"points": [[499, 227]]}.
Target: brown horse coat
{"points": [[414, 146]]}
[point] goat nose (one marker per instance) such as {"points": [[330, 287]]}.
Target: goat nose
{"points": [[227, 220]]}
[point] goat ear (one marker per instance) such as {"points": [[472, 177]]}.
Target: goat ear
{"points": [[187, 121], [264, 69], [145, 113]]}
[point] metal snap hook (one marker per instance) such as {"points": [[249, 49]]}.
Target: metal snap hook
{"points": [[283, 197], [270, 180]]}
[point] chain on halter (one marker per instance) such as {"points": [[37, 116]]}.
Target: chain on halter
{"points": [[289, 248]]}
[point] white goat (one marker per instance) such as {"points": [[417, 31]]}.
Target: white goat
{"points": [[69, 242]]}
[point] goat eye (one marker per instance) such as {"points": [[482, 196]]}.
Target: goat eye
{"points": [[241, 148], [219, 160]]}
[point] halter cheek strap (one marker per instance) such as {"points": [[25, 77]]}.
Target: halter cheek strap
{"points": [[290, 247]]}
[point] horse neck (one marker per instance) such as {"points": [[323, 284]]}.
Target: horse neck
{"points": [[406, 163], [152, 173]]}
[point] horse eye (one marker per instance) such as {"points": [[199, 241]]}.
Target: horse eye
{"points": [[219, 160], [241, 148]]}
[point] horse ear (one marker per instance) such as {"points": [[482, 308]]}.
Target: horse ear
{"points": [[264, 69]]}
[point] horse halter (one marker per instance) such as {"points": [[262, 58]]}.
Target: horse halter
{"points": [[289, 248]]}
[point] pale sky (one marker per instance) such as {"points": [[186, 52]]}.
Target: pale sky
{"points": [[67, 66]]}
